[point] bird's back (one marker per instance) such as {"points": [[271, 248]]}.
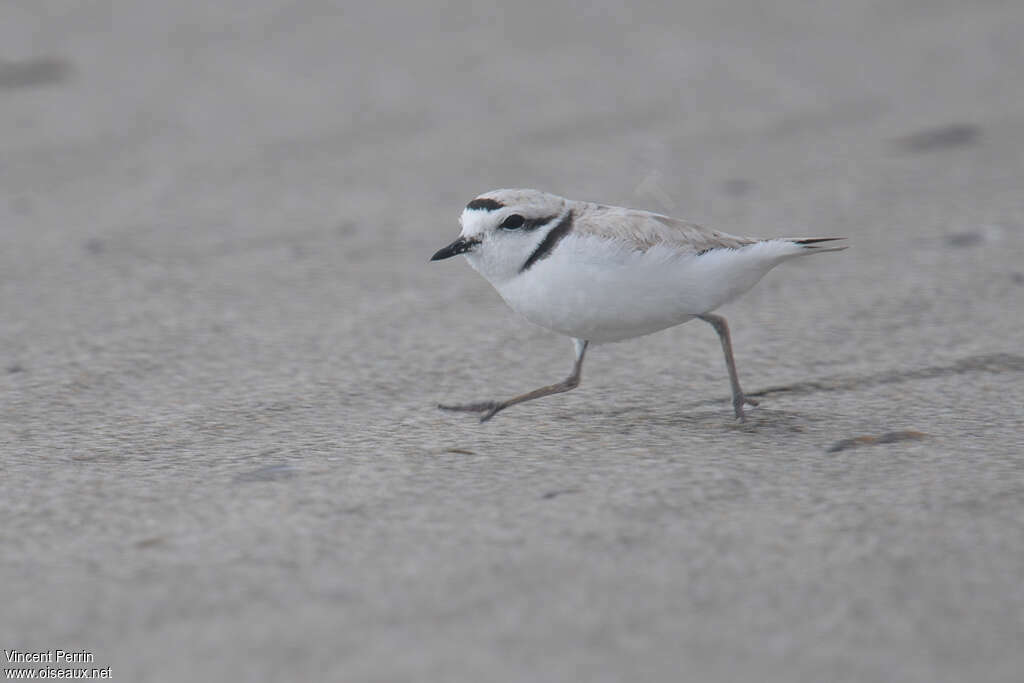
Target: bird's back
{"points": [[642, 230]]}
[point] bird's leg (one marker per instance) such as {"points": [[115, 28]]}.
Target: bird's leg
{"points": [[722, 328], [489, 409]]}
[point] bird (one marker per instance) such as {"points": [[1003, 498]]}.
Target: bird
{"points": [[600, 274]]}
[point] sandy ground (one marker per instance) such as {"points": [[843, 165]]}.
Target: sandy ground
{"points": [[221, 343]]}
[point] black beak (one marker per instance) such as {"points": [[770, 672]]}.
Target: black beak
{"points": [[459, 246]]}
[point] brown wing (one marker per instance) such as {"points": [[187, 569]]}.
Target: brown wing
{"points": [[644, 229]]}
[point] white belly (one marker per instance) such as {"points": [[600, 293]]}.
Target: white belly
{"points": [[593, 289]]}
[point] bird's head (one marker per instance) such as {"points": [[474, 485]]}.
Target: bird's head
{"points": [[502, 231]]}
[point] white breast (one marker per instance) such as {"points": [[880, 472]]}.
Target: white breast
{"points": [[601, 290]]}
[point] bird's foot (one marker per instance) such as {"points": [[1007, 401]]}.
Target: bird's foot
{"points": [[487, 409], [737, 406]]}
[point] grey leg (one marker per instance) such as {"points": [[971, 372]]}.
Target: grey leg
{"points": [[722, 328], [489, 409]]}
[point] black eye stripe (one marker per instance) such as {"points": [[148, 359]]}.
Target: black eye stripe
{"points": [[538, 222], [529, 224]]}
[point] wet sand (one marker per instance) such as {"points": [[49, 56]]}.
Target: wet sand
{"points": [[221, 345]]}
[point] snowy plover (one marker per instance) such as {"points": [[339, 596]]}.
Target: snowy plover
{"points": [[600, 273]]}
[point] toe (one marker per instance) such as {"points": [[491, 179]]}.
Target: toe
{"points": [[491, 412]]}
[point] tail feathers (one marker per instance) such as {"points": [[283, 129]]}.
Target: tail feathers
{"points": [[812, 244]]}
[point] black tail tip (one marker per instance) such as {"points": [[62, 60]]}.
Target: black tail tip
{"points": [[815, 240], [815, 244]]}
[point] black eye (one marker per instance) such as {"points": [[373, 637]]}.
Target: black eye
{"points": [[513, 222]]}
